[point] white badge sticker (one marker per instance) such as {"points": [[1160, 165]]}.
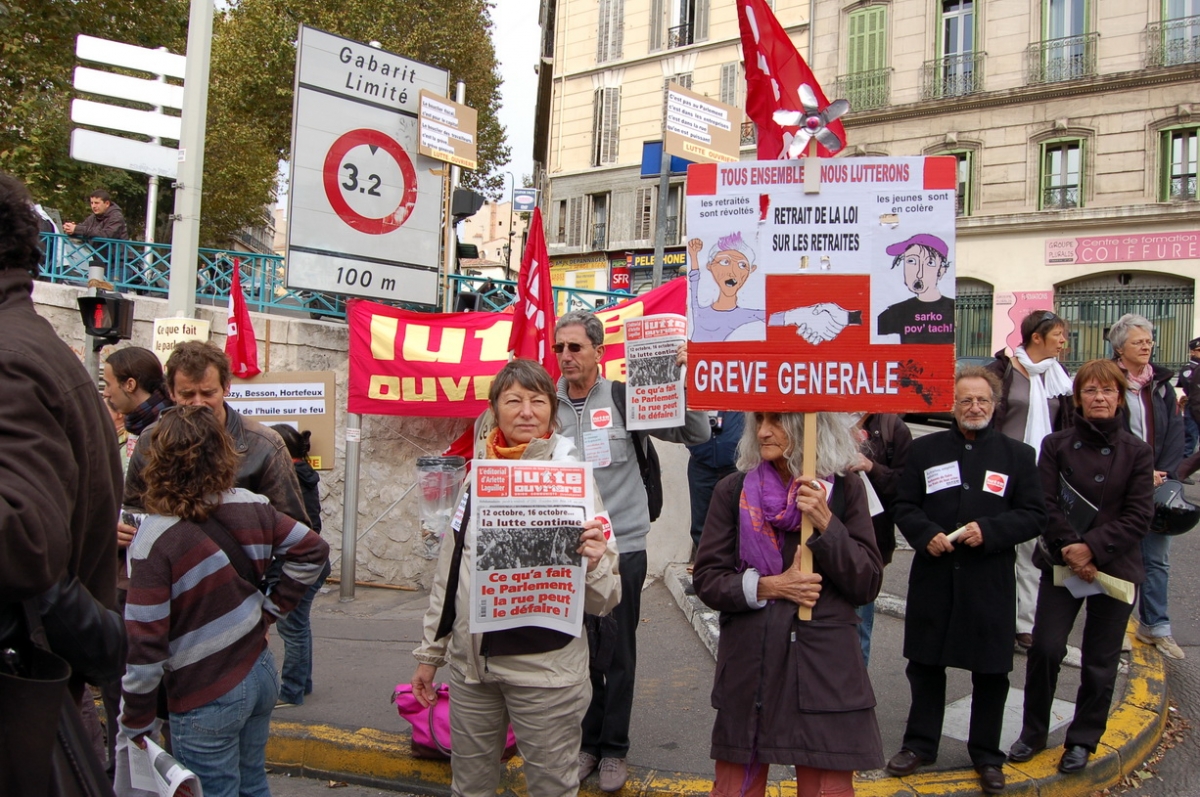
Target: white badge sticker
{"points": [[456, 524], [942, 477], [596, 449], [995, 483], [602, 418]]}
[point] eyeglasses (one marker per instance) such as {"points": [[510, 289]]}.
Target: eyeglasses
{"points": [[967, 402], [1092, 392], [574, 348]]}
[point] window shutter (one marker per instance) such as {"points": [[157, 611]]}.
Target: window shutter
{"points": [[610, 34], [868, 42], [657, 14], [575, 221], [611, 121], [602, 31], [644, 210], [700, 21], [597, 128], [617, 46], [729, 83]]}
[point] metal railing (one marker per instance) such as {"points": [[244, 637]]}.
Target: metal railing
{"points": [[679, 36], [1183, 188], [749, 133], [1068, 58], [671, 233], [973, 322], [1062, 197], [1173, 41], [952, 76], [865, 91], [144, 268], [1090, 312], [599, 235]]}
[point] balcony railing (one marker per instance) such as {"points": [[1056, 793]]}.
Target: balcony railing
{"points": [[679, 36], [1183, 188], [865, 91], [671, 233], [1173, 41], [1060, 197], [952, 76], [599, 235], [1068, 58], [749, 133]]}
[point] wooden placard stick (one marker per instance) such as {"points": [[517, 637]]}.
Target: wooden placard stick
{"points": [[809, 468]]}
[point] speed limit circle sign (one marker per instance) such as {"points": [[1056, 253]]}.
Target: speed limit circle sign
{"points": [[340, 175]]}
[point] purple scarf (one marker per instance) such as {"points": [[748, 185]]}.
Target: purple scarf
{"points": [[147, 412], [767, 508]]}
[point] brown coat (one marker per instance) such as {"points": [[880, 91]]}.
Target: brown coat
{"points": [[1114, 471], [793, 692], [60, 474]]}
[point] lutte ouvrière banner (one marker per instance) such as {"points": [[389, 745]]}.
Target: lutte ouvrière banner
{"points": [[442, 364]]}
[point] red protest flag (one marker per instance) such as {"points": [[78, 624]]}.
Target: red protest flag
{"points": [[783, 97], [532, 336], [240, 345]]}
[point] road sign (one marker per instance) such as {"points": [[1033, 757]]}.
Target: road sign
{"points": [[365, 208], [701, 129], [524, 200], [448, 131]]}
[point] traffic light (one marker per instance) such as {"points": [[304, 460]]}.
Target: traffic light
{"points": [[465, 203], [106, 317]]}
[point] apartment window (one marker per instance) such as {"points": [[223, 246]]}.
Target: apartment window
{"points": [[610, 36], [606, 131], [1181, 32], [560, 235], [575, 221], [962, 195], [868, 83], [1067, 50], [673, 229], [1062, 176], [599, 221], [677, 23], [957, 71], [1179, 161], [643, 208]]}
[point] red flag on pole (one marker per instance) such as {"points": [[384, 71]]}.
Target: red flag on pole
{"points": [[240, 345], [532, 336], [783, 97]]}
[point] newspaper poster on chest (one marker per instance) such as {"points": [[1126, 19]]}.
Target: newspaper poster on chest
{"points": [[836, 300]]}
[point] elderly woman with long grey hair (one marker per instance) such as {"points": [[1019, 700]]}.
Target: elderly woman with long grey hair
{"points": [[790, 692], [1153, 416]]}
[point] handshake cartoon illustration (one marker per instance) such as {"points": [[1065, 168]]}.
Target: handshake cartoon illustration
{"points": [[818, 323]]}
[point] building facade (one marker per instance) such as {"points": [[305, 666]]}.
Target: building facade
{"points": [[1075, 124]]}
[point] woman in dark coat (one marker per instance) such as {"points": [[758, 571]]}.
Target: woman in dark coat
{"points": [[790, 692], [1112, 471], [1152, 414]]}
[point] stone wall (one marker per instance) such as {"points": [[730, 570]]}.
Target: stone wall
{"points": [[389, 549]]}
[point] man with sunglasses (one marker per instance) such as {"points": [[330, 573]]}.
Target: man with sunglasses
{"points": [[967, 498], [588, 415]]}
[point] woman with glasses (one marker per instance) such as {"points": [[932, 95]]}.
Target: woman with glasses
{"points": [[1035, 400], [1153, 416], [1099, 486]]}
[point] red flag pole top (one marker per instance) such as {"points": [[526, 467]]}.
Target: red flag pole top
{"points": [[532, 336], [783, 97]]}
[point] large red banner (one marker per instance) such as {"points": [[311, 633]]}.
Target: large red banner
{"points": [[442, 364]]}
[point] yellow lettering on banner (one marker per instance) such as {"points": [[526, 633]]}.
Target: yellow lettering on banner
{"points": [[494, 341], [455, 391], [416, 344], [385, 388], [483, 384], [612, 320], [383, 337], [428, 389]]}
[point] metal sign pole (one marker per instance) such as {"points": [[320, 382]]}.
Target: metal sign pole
{"points": [[350, 506]]}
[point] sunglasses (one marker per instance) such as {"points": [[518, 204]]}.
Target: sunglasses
{"points": [[574, 348]]}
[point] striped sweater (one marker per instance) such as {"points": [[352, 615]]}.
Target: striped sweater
{"points": [[192, 621]]}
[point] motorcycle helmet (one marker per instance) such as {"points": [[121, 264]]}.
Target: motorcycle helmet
{"points": [[1173, 513]]}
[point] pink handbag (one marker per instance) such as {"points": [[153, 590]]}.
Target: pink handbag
{"points": [[431, 726]]}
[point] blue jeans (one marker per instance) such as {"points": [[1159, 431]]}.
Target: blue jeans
{"points": [[867, 615], [1191, 433], [1152, 601], [296, 633], [225, 742]]}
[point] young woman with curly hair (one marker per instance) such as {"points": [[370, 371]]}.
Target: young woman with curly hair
{"points": [[195, 616]]}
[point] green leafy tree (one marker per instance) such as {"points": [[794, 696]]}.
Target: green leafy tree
{"points": [[37, 62]]}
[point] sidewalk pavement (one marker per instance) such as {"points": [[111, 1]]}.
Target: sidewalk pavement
{"points": [[348, 729]]}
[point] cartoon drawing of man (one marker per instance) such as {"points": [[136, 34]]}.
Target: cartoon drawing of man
{"points": [[731, 262], [927, 317]]}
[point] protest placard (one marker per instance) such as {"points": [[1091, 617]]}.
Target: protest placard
{"points": [[654, 383], [528, 517], [847, 295]]}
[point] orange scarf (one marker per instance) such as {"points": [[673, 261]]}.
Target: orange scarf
{"points": [[498, 447]]}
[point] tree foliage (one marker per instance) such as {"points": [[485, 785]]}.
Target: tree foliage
{"points": [[250, 90]]}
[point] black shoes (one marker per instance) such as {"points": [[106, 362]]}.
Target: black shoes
{"points": [[1074, 759], [905, 763], [1020, 752], [991, 778]]}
